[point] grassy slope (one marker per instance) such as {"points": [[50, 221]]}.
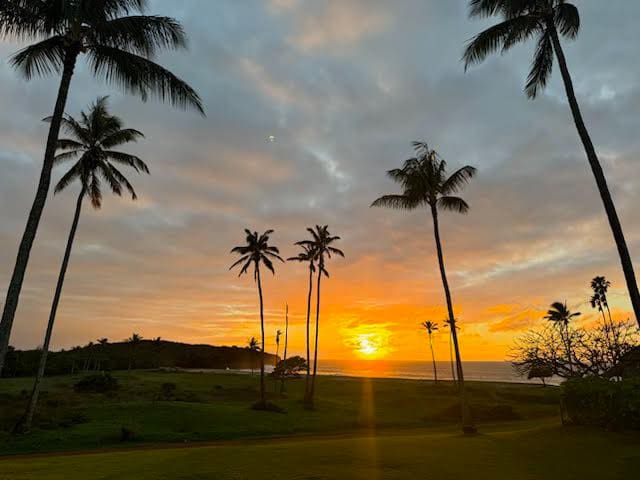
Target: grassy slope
{"points": [[216, 407], [504, 452]]}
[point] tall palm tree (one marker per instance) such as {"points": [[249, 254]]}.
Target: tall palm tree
{"points": [[320, 245], [120, 43], [308, 255], [90, 147], [134, 340], [547, 21], [255, 252], [600, 286], [453, 370], [425, 184], [561, 316], [286, 343], [254, 346], [431, 328], [278, 335]]}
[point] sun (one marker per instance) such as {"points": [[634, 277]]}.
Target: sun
{"points": [[370, 345], [366, 346]]}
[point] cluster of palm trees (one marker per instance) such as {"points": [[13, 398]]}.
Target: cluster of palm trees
{"points": [[316, 251], [119, 42]]}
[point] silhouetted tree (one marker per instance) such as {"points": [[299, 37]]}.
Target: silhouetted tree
{"points": [[547, 21], [257, 251], [561, 316], [134, 340], [308, 255], [286, 342], [119, 42], [254, 346], [453, 370], [90, 148], [425, 184], [320, 245], [431, 328], [600, 286]]}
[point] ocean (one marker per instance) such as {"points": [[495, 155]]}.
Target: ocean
{"points": [[478, 371]]}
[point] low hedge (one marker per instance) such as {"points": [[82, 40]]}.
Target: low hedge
{"points": [[601, 402]]}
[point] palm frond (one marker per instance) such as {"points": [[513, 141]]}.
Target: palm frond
{"points": [[120, 136], [541, 67], [567, 20], [399, 202], [41, 58], [458, 179], [454, 204], [126, 159], [70, 176], [142, 77]]}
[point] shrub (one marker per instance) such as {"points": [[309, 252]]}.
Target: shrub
{"points": [[167, 390], [601, 402], [97, 383]]}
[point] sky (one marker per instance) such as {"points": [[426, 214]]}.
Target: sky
{"points": [[344, 87]]}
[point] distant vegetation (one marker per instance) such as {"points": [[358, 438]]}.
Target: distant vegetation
{"points": [[118, 356]]}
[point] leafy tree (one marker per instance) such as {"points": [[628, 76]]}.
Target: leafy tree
{"points": [[90, 147], [308, 255], [256, 252], [425, 183], [320, 245], [119, 42], [291, 367], [546, 21], [431, 328]]}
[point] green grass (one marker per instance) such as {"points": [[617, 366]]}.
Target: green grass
{"points": [[510, 451], [210, 407]]}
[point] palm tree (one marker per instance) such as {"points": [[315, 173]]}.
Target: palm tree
{"points": [[257, 251], [561, 316], [453, 370], [119, 42], [308, 255], [93, 138], [600, 286], [286, 342], [425, 183], [547, 21], [431, 328], [278, 334], [254, 346], [134, 340], [320, 245]]}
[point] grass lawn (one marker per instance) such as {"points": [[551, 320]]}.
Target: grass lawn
{"points": [[508, 451], [208, 407]]}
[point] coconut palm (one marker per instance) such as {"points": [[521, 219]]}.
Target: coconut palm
{"points": [[561, 316], [256, 252], [93, 138], [425, 183], [134, 340], [119, 42], [600, 286], [254, 346], [278, 335], [320, 245], [286, 342], [308, 255], [431, 328], [547, 21]]}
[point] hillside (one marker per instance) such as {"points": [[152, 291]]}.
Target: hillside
{"points": [[145, 354]]}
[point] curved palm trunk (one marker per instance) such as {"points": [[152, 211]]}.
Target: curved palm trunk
{"points": [[467, 421], [29, 235], [286, 342], [601, 182], [453, 371], [307, 383], [315, 352], [25, 424], [263, 399], [433, 359]]}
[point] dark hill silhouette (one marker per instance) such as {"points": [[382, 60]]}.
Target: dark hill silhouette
{"points": [[144, 355]]}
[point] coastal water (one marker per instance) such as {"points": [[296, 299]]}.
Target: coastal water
{"points": [[478, 371]]}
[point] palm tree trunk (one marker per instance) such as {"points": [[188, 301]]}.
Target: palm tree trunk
{"points": [[601, 182], [453, 372], [307, 383], [286, 342], [29, 235], [433, 359], [33, 401], [263, 400], [467, 421], [315, 347]]}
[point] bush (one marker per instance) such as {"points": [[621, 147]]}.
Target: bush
{"points": [[167, 390], [97, 383], [605, 403]]}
